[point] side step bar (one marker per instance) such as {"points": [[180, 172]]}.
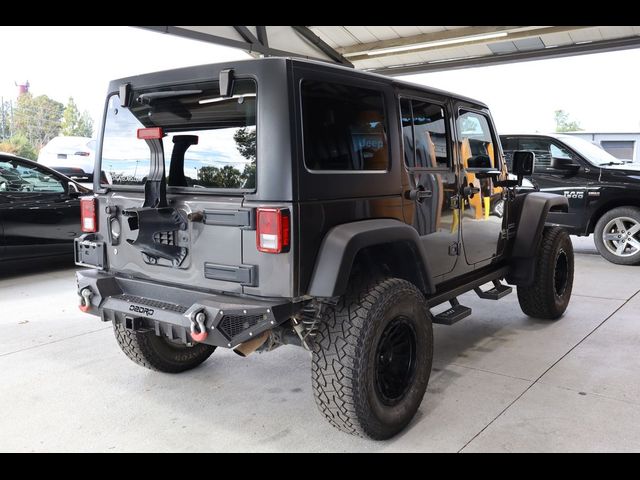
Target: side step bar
{"points": [[496, 293], [453, 315], [457, 311]]}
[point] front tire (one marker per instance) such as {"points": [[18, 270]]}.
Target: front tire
{"points": [[549, 295], [617, 236], [158, 353], [372, 358]]}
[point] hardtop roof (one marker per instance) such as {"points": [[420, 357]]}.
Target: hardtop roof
{"points": [[202, 72]]}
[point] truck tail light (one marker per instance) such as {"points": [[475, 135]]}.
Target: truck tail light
{"points": [[88, 214], [273, 230]]}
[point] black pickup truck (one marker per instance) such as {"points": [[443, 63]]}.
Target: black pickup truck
{"points": [[603, 191]]}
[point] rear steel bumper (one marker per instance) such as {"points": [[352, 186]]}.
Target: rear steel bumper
{"points": [[168, 310]]}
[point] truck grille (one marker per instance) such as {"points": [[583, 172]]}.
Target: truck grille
{"points": [[232, 325]]}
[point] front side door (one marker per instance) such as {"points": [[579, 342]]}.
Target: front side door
{"points": [[432, 187], [37, 213], [482, 207]]}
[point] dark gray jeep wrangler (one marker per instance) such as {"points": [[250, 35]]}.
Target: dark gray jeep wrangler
{"points": [[276, 201]]}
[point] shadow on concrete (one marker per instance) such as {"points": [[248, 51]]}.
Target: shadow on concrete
{"points": [[18, 268]]}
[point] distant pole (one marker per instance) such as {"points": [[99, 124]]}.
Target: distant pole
{"points": [[11, 124]]}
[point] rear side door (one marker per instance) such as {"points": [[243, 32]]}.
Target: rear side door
{"points": [[431, 205], [38, 215]]}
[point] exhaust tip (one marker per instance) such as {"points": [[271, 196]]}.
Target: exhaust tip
{"points": [[247, 348]]}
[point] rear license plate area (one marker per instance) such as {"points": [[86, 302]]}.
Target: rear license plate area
{"points": [[89, 252]]}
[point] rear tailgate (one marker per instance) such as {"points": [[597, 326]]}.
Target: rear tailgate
{"points": [[213, 243]]}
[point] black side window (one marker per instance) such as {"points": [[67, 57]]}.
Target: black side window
{"points": [[17, 177], [509, 145], [344, 127], [424, 135], [476, 140], [542, 149]]}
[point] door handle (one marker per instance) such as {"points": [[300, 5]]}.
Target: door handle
{"points": [[418, 194]]}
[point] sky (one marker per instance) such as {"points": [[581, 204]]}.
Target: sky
{"points": [[600, 91], [81, 61]]}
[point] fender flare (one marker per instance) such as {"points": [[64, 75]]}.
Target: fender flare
{"points": [[531, 224], [342, 243]]}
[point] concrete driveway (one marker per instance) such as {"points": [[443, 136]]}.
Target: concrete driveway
{"points": [[501, 381]]}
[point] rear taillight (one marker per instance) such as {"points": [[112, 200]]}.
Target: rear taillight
{"points": [[272, 235], [88, 214]]}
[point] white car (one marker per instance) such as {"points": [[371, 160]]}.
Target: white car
{"points": [[71, 156]]}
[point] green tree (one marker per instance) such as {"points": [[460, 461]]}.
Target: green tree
{"points": [[225, 177], [37, 118], [19, 145], [246, 143], [74, 123], [563, 124], [5, 120], [249, 175]]}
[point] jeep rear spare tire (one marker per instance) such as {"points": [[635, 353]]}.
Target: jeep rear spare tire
{"points": [[372, 358], [549, 295], [159, 353]]}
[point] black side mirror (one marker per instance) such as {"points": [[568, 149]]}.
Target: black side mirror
{"points": [[522, 162], [565, 164]]}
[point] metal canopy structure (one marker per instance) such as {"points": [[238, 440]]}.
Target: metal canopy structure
{"points": [[415, 49]]}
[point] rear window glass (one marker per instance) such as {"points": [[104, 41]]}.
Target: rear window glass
{"points": [[210, 141], [344, 127]]}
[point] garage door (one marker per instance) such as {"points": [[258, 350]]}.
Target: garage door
{"points": [[619, 148]]}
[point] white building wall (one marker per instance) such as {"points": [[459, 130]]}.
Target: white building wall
{"points": [[612, 136]]}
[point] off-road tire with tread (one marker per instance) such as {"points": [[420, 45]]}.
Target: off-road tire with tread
{"points": [[347, 345], [550, 293], [157, 353]]}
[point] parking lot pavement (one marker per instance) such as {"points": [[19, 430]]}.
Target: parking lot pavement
{"points": [[501, 381]]}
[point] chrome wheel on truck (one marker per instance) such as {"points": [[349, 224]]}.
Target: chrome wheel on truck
{"points": [[617, 236]]}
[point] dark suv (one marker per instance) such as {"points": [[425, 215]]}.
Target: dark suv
{"points": [[276, 201], [603, 192]]}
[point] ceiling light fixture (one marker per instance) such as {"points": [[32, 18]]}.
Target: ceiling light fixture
{"points": [[437, 43]]}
